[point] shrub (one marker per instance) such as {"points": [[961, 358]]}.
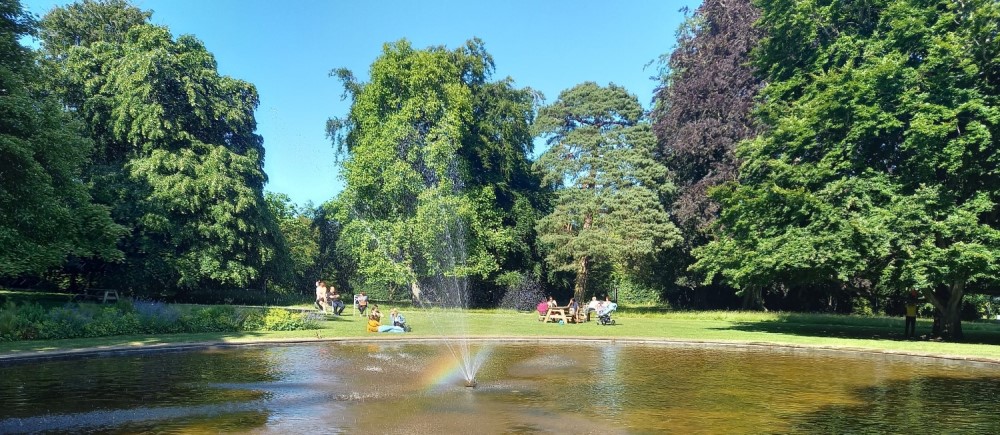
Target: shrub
{"points": [[861, 307], [157, 317], [219, 318], [13, 325], [32, 321], [64, 322], [975, 307], [109, 321], [253, 319], [632, 292], [277, 319], [523, 292]]}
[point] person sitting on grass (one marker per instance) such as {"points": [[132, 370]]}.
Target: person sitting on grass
{"points": [[391, 328], [373, 323], [398, 319]]}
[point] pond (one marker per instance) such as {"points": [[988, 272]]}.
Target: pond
{"points": [[524, 387]]}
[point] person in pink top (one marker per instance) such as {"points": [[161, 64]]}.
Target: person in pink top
{"points": [[543, 307]]}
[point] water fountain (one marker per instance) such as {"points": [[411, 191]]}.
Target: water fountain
{"points": [[448, 287]]}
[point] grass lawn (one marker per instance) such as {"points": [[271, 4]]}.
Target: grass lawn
{"points": [[807, 330]]}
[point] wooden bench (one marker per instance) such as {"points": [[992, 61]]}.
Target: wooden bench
{"points": [[99, 294]]}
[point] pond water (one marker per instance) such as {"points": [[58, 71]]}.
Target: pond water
{"points": [[524, 387]]}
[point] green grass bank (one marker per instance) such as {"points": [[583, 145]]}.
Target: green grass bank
{"points": [[875, 334]]}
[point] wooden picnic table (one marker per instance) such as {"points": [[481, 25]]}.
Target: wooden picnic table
{"points": [[96, 294], [555, 314]]}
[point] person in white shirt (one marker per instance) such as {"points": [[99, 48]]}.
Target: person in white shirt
{"points": [[593, 306], [321, 298]]}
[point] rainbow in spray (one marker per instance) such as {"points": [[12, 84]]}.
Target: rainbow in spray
{"points": [[445, 372]]}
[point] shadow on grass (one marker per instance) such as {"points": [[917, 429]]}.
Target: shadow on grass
{"points": [[859, 328]]}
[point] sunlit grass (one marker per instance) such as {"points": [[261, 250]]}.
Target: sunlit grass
{"points": [[873, 333]]}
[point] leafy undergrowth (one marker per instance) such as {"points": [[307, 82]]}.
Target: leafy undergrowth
{"points": [[33, 321]]}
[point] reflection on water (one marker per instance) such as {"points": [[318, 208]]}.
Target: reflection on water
{"points": [[540, 387]]}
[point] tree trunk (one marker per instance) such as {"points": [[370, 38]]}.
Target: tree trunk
{"points": [[953, 317], [583, 268], [414, 282], [415, 290], [582, 272], [752, 299], [949, 309]]}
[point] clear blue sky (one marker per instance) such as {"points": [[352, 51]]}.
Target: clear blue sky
{"points": [[287, 49]]}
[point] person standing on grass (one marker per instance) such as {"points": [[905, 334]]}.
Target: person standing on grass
{"points": [[321, 301], [910, 329]]}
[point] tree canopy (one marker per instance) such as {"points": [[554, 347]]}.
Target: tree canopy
{"points": [[177, 155], [435, 171], [834, 151], [609, 190], [879, 155], [48, 213], [703, 108]]}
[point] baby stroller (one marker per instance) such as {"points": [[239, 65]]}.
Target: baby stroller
{"points": [[604, 314]]}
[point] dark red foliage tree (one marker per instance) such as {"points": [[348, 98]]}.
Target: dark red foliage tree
{"points": [[702, 109], [703, 106]]}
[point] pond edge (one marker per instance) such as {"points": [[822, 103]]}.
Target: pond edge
{"points": [[131, 349]]}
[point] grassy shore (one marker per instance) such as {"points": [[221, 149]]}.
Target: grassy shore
{"points": [[878, 334]]}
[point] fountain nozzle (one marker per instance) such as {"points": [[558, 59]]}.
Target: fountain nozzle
{"points": [[471, 383]]}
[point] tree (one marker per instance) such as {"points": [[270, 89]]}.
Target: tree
{"points": [[178, 158], [703, 109], [609, 189], [436, 171], [704, 105], [48, 213], [879, 152], [300, 229]]}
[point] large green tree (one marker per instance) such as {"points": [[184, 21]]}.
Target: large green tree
{"points": [[703, 109], [609, 188], [880, 155], [302, 230], [47, 211], [177, 155], [438, 185]]}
